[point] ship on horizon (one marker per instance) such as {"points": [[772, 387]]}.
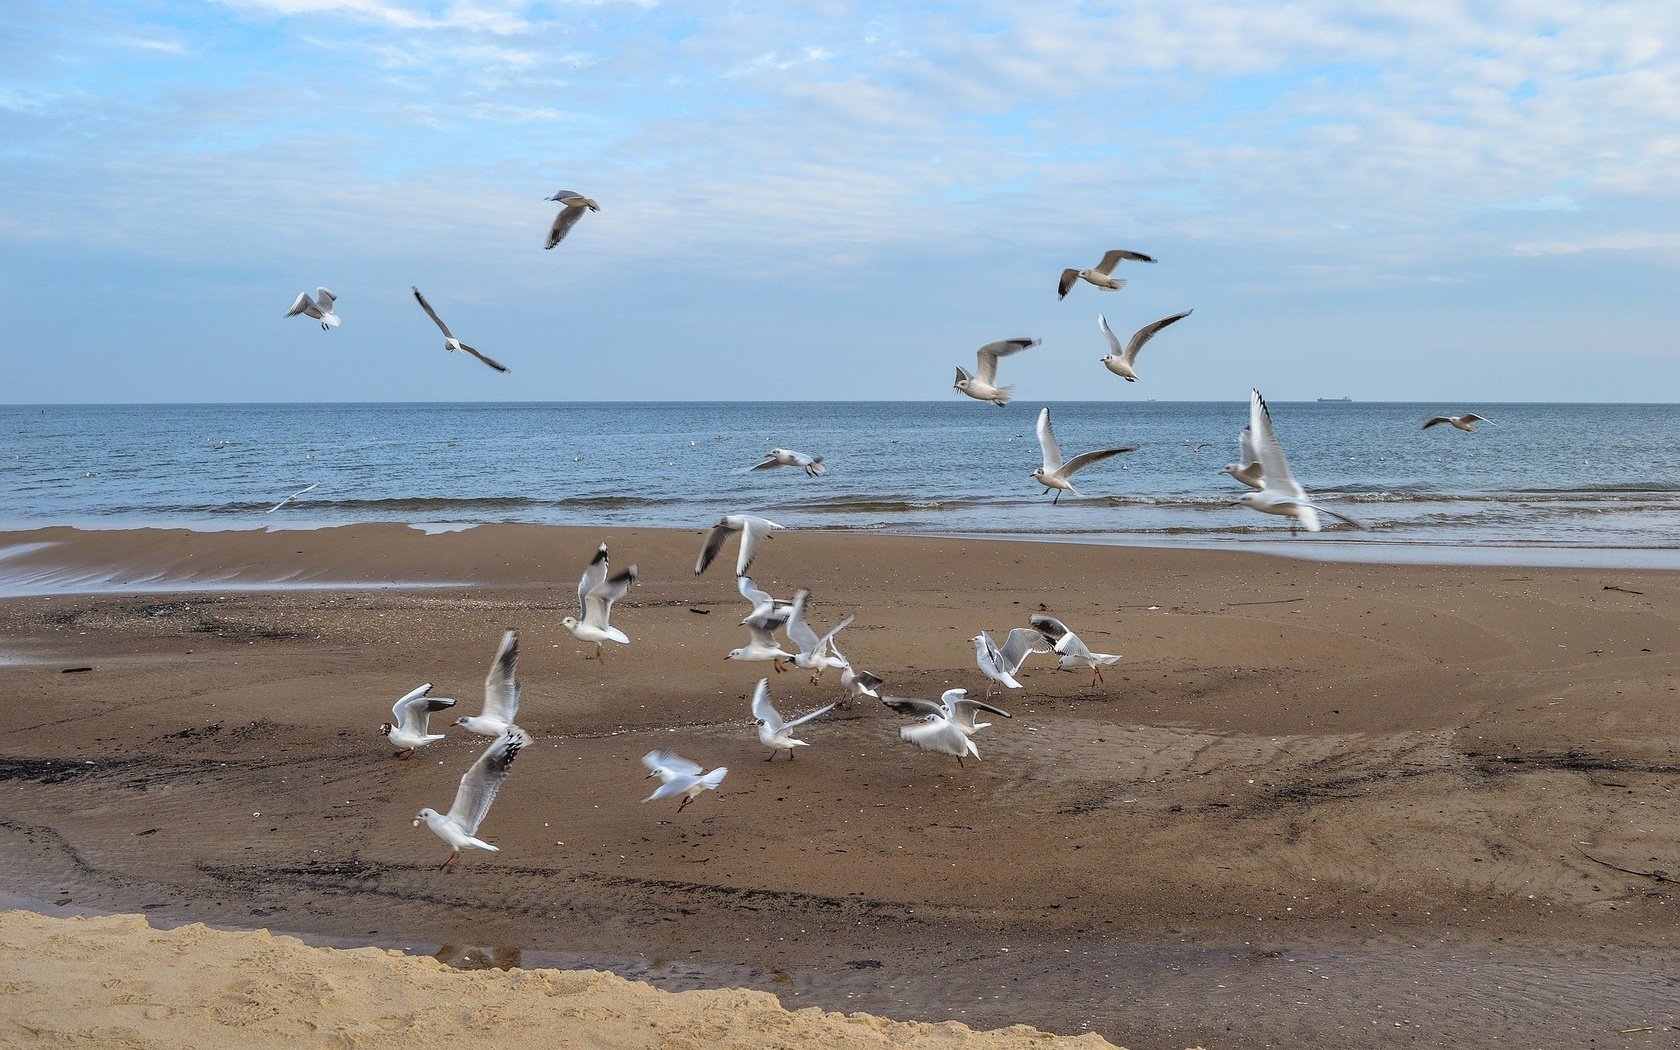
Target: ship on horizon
{"points": [[1333, 400]]}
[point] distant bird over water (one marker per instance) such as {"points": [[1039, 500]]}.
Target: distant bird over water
{"points": [[320, 307], [450, 342], [573, 205], [1099, 275], [1466, 422], [982, 385], [785, 457], [1121, 360]]}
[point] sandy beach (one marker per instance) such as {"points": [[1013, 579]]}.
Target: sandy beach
{"points": [[1315, 804]]}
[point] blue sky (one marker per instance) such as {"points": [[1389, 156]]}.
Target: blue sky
{"points": [[1454, 202]]}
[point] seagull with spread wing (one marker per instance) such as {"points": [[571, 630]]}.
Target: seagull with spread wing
{"points": [[1248, 471], [1121, 360], [459, 827], [1055, 474], [1281, 494], [413, 720], [786, 457], [681, 777], [1466, 422], [752, 529], [320, 307], [982, 385], [1074, 652], [1100, 274], [596, 594], [954, 705], [815, 651], [451, 343], [572, 206], [774, 733], [501, 691]]}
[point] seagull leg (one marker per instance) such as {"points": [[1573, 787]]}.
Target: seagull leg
{"points": [[1058, 498], [772, 758], [449, 865], [959, 762], [404, 754], [600, 652], [777, 664], [686, 800], [1096, 674]]}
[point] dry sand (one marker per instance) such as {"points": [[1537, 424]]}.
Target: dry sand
{"points": [[1316, 803]]}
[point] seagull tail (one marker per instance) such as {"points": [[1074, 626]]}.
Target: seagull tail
{"points": [[1005, 395]]}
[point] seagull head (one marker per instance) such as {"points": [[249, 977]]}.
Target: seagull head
{"points": [[569, 622], [385, 728], [424, 815], [1038, 476], [1250, 499], [735, 654]]}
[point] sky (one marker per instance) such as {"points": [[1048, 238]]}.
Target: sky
{"points": [[1452, 202]]}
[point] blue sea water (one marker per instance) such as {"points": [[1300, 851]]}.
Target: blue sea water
{"points": [[1543, 476]]}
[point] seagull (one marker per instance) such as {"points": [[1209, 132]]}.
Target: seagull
{"points": [[982, 385], [954, 705], [752, 530], [762, 647], [813, 650], [1248, 470], [459, 827], [1466, 422], [574, 204], [1121, 361], [767, 612], [681, 777], [854, 682], [1067, 645], [783, 457], [320, 307], [1099, 274], [501, 691], [1000, 665], [450, 342], [596, 594], [937, 731], [774, 733], [413, 714], [1281, 493], [289, 499], [1055, 474]]}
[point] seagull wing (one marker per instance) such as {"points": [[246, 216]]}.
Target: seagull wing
{"points": [[962, 711], [1471, 417], [1112, 257], [1147, 332], [1272, 464], [1250, 454], [752, 533], [299, 305], [827, 640], [905, 705], [1052, 628], [1114, 346], [668, 764], [769, 463], [1021, 643], [765, 711], [598, 603], [414, 710], [563, 223], [424, 305], [480, 783], [1047, 442], [1085, 459], [501, 685], [799, 631], [714, 542], [1069, 276], [593, 576], [987, 357], [802, 719], [1436, 421], [492, 362], [326, 298]]}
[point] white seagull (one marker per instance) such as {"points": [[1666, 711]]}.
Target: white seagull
{"points": [[854, 682], [413, 714], [596, 595], [774, 733], [459, 827], [1099, 274], [752, 529], [937, 731], [1120, 360], [1067, 645], [762, 647], [1281, 494], [320, 307], [450, 342], [573, 205], [501, 692], [1000, 664], [767, 612], [954, 705], [982, 385], [290, 498], [1248, 471], [784, 457], [1466, 422], [681, 777], [815, 653], [1055, 474]]}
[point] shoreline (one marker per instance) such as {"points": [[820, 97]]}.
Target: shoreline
{"points": [[1300, 769]]}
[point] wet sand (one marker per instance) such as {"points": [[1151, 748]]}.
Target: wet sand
{"points": [[1315, 804]]}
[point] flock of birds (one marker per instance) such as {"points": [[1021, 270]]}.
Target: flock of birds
{"points": [[947, 725]]}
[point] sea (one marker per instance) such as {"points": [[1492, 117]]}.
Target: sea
{"points": [[1578, 484]]}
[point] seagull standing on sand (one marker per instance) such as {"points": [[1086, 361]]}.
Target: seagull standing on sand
{"points": [[784, 457], [1466, 422], [573, 205], [1120, 360], [451, 343], [290, 498], [1099, 274], [752, 529], [413, 714], [1055, 474], [681, 777], [501, 692], [982, 385], [815, 652], [459, 827], [1281, 494], [1248, 471], [1074, 652], [596, 595], [774, 733], [320, 307], [953, 705]]}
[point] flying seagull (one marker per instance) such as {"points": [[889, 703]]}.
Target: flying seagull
{"points": [[783, 457], [320, 307], [1074, 652], [573, 205], [953, 704], [1000, 664], [774, 733], [290, 498], [1120, 360], [413, 714], [1099, 274], [1055, 474], [753, 529], [459, 827], [1281, 493], [1248, 470], [680, 777], [815, 651], [501, 691], [982, 385], [596, 594], [450, 342], [1466, 422]]}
